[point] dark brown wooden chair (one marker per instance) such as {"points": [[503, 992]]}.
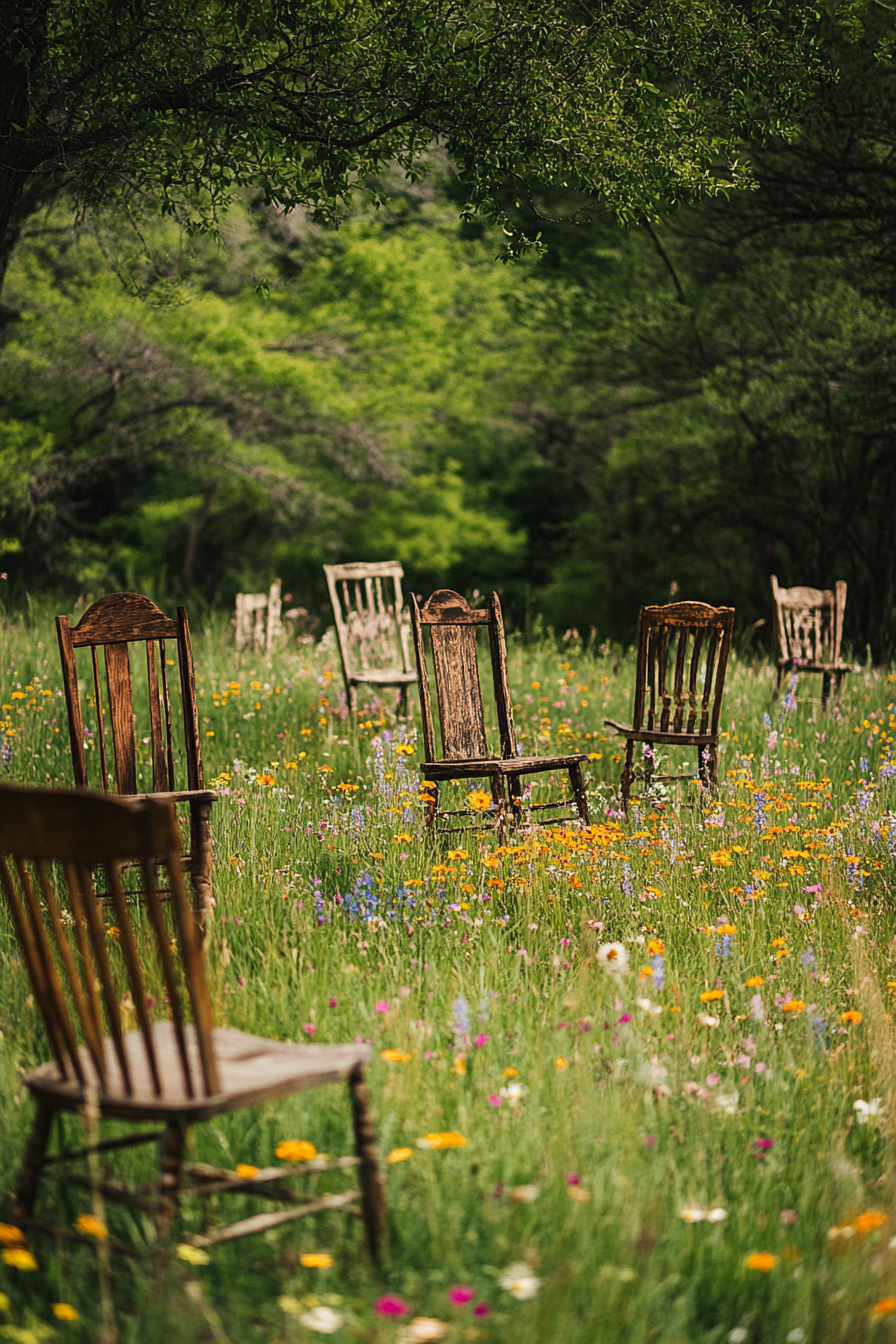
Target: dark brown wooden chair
{"points": [[809, 623], [117, 1007], [465, 754], [371, 627], [113, 623], [679, 682]]}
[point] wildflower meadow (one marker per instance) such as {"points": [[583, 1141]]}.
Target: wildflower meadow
{"points": [[635, 1081]]}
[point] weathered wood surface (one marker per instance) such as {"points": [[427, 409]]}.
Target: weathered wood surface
{"points": [[453, 640], [258, 623], [809, 625], [371, 626], [92, 992], [679, 683], [114, 624]]}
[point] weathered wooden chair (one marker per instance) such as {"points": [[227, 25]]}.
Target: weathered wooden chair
{"points": [[465, 754], [809, 623], [112, 623], [679, 682], [258, 624], [371, 627], [115, 1005]]}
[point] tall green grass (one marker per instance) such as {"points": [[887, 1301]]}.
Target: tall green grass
{"points": [[337, 918]]}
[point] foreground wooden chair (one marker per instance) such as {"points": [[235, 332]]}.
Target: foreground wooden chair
{"points": [[452, 625], [809, 623], [113, 623], [371, 627], [679, 682], [116, 1014]]}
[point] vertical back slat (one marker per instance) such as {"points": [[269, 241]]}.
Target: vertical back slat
{"points": [[121, 712], [503, 702], [100, 718], [52, 986], [166, 962], [91, 908], [135, 972], [166, 703], [188, 701], [76, 989], [72, 701], [461, 714], [715, 635], [33, 965], [678, 691], [693, 678], [90, 981], [429, 740], [662, 674], [157, 744]]}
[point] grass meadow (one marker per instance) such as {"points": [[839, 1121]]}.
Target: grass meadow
{"points": [[685, 1140]]}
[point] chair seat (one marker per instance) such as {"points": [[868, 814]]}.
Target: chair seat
{"points": [[669, 739], [383, 676], [515, 765], [251, 1069]]}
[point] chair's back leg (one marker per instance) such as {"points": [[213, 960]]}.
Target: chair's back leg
{"points": [[201, 860], [373, 1197], [628, 773], [432, 807], [577, 783], [32, 1166], [825, 688], [171, 1161]]}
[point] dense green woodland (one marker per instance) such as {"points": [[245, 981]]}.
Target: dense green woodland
{"points": [[684, 407]]}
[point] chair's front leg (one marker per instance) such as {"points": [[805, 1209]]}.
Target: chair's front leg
{"points": [[201, 859], [577, 783], [373, 1197], [499, 800], [29, 1176], [825, 688], [432, 805]]}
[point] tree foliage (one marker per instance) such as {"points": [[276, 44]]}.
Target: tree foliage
{"points": [[178, 104]]}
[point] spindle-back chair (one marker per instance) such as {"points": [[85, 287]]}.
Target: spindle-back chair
{"points": [[371, 626], [113, 623], [127, 1010], [453, 624], [809, 623], [679, 682], [258, 624]]}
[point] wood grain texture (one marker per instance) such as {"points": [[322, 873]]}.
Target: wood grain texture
{"points": [[121, 705], [120, 618]]}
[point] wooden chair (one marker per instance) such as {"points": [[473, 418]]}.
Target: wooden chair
{"points": [[465, 755], [258, 624], [679, 682], [371, 627], [809, 622], [116, 1014], [114, 622]]}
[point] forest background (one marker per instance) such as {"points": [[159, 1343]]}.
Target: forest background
{"points": [[679, 407]]}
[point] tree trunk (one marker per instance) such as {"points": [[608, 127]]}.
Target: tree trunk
{"points": [[22, 43]]}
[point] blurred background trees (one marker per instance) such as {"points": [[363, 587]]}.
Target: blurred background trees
{"points": [[682, 406]]}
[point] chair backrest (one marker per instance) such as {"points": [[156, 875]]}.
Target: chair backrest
{"points": [[370, 622], [809, 622], [258, 624], [113, 623], [54, 844], [452, 625], [682, 660]]}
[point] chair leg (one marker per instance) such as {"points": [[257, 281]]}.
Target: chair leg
{"points": [[825, 689], [35, 1151], [171, 1161], [353, 699], [373, 1197], [707, 769], [432, 807], [628, 774], [499, 798], [577, 783], [201, 859]]}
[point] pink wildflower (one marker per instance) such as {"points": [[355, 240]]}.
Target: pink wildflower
{"points": [[459, 1296], [390, 1305], [481, 1040], [381, 1006]]}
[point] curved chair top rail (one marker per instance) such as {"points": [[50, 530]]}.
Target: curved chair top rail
{"points": [[119, 618]]}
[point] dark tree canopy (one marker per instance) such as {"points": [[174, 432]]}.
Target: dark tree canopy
{"points": [[182, 102]]}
